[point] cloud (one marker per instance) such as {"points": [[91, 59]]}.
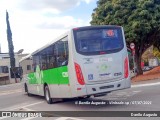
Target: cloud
{"points": [[63, 22], [88, 1], [34, 22], [55, 5]]}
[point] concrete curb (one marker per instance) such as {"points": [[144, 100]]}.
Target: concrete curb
{"points": [[9, 85]]}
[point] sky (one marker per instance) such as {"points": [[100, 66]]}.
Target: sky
{"points": [[35, 23]]}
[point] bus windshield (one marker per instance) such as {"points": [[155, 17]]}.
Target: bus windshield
{"points": [[97, 40]]}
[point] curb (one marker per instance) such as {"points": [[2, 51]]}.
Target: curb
{"points": [[11, 84]]}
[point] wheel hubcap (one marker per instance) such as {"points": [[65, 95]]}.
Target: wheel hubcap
{"points": [[47, 95]]}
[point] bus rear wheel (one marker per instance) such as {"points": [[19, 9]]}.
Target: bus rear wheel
{"points": [[47, 95], [26, 90], [84, 97]]}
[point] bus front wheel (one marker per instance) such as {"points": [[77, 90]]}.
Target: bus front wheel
{"points": [[47, 95]]}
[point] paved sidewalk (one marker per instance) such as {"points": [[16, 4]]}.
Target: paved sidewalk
{"points": [[11, 85], [146, 81]]}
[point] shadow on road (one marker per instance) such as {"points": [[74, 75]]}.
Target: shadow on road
{"points": [[86, 103], [93, 103]]}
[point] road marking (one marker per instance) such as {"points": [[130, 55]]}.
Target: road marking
{"points": [[1, 118], [27, 105], [137, 91], [145, 85], [26, 109], [10, 92], [6, 91], [10, 85]]}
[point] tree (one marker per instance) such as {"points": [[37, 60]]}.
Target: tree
{"points": [[10, 46], [139, 18]]}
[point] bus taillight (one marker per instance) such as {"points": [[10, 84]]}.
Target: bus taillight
{"points": [[126, 68], [79, 74]]}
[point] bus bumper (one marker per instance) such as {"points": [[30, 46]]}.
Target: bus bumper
{"points": [[108, 87]]}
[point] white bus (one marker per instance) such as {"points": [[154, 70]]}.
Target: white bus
{"points": [[86, 61]]}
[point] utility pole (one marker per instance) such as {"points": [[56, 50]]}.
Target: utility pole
{"points": [[132, 46]]}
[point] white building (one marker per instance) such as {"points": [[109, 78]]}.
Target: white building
{"points": [[5, 67]]}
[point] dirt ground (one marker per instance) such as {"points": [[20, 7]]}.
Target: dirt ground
{"points": [[149, 75]]}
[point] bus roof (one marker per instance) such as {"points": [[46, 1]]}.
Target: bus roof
{"points": [[96, 26]]}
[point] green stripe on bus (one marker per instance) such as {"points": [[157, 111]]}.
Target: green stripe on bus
{"points": [[50, 76]]}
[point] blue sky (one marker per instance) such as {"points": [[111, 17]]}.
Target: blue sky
{"points": [[34, 25]]}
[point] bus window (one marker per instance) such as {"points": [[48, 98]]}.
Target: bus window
{"points": [[36, 61], [94, 41], [62, 52]]}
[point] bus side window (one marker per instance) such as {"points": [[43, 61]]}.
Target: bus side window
{"points": [[44, 67], [62, 52], [52, 61], [36, 61]]}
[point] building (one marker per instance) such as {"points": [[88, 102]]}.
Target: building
{"points": [[27, 64], [5, 76]]}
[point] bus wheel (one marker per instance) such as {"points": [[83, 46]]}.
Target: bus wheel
{"points": [[26, 90], [88, 96], [47, 95]]}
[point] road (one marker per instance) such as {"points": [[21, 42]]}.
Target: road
{"points": [[141, 96]]}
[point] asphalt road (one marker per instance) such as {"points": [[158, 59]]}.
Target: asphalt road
{"points": [[143, 96]]}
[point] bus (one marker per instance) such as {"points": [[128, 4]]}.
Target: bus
{"points": [[86, 61]]}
